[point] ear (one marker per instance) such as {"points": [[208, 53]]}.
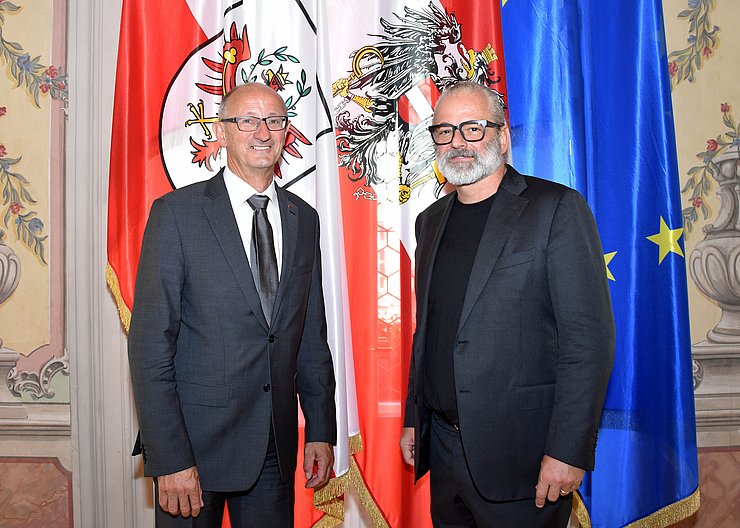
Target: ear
{"points": [[220, 133], [504, 139]]}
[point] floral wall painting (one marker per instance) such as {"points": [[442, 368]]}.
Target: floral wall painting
{"points": [[702, 39], [699, 184], [28, 72], [708, 145], [18, 202], [35, 79], [33, 94]]}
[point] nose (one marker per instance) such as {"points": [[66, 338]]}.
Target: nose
{"points": [[457, 140], [262, 133]]}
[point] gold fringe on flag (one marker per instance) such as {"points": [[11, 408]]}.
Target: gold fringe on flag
{"points": [[123, 312], [366, 498], [671, 514], [329, 498], [581, 512], [355, 444], [358, 483]]}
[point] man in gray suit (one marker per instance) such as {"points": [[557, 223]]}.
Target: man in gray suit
{"points": [[227, 329], [514, 339]]}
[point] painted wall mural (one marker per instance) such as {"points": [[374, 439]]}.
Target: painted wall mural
{"points": [[33, 91], [701, 40], [708, 138], [699, 184], [35, 481]]}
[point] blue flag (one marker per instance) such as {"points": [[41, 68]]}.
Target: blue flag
{"points": [[590, 107]]}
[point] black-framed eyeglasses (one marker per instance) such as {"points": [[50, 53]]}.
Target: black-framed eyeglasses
{"points": [[249, 123], [471, 131]]}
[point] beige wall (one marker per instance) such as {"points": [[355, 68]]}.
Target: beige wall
{"points": [[33, 89], [25, 132], [35, 443], [698, 118]]}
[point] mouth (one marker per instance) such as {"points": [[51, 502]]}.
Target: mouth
{"points": [[460, 155], [260, 147]]}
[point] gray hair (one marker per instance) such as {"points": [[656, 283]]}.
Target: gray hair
{"points": [[495, 103]]}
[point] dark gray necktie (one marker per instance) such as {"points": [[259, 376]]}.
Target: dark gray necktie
{"points": [[263, 254]]}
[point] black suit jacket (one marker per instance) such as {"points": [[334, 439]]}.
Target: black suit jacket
{"points": [[535, 340], [209, 374]]}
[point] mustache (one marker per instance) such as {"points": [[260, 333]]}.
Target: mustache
{"points": [[460, 152]]}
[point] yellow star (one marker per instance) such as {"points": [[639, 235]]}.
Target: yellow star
{"points": [[667, 240], [607, 259]]}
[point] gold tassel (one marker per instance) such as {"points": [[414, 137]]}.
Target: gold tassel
{"points": [[123, 312], [671, 514]]}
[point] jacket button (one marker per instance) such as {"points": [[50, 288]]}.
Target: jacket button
{"points": [[266, 388], [272, 338]]}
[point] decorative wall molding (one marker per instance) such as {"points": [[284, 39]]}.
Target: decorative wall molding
{"points": [[38, 384], [10, 406], [109, 491], [43, 421]]}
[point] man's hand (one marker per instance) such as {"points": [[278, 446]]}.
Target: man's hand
{"points": [[318, 459], [180, 493], [556, 478], [408, 445]]}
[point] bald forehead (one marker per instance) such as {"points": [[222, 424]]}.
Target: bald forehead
{"points": [[254, 92]]}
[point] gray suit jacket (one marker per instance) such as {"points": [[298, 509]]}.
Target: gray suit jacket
{"points": [[209, 375], [535, 340]]}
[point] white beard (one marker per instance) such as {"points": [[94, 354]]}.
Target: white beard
{"points": [[477, 168]]}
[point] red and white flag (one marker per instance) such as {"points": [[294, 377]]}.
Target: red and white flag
{"points": [[370, 72], [168, 89], [390, 61]]}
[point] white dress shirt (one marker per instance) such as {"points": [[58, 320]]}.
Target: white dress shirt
{"points": [[239, 192]]}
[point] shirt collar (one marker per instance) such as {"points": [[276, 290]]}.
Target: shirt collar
{"points": [[240, 191]]}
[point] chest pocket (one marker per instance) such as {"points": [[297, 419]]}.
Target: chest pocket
{"points": [[514, 259]]}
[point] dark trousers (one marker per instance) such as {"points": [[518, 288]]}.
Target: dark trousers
{"points": [[267, 504], [456, 502]]}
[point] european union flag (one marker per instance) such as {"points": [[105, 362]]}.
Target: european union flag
{"points": [[590, 104]]}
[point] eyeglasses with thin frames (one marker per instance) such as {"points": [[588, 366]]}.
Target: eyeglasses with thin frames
{"points": [[249, 123], [471, 131]]}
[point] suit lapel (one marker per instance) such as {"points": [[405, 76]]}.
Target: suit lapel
{"points": [[505, 211], [221, 218], [289, 221]]}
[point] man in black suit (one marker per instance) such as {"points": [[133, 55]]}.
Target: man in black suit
{"points": [[515, 337], [227, 329]]}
